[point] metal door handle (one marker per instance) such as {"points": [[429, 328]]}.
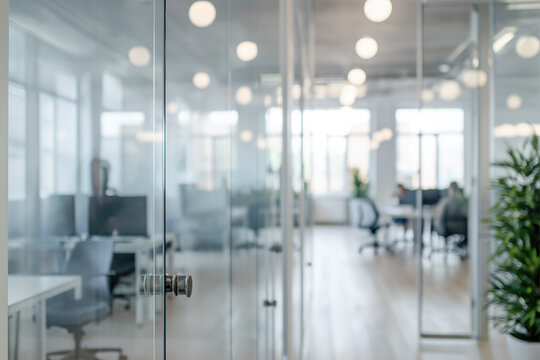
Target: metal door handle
{"points": [[177, 284]]}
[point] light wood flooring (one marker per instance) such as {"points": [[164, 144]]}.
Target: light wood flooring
{"points": [[362, 307]]}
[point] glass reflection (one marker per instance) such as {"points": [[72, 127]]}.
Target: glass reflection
{"points": [[82, 186]]}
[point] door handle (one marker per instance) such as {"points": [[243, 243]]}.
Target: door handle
{"points": [[176, 284]]}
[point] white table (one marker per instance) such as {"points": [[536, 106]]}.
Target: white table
{"points": [[28, 290], [139, 246], [408, 212]]}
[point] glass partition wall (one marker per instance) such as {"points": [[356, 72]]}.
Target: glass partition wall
{"points": [[515, 72], [141, 128], [444, 133], [85, 181]]}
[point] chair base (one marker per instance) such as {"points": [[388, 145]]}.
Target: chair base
{"points": [[451, 248], [84, 354]]}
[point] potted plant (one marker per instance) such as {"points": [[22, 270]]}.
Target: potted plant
{"points": [[360, 189], [515, 277]]}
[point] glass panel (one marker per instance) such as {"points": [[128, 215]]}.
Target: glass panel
{"points": [[85, 183], [451, 84], [515, 89]]}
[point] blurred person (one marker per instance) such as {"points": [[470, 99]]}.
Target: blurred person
{"points": [[451, 213]]}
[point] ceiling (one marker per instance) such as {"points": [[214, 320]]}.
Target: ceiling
{"points": [[97, 35]]}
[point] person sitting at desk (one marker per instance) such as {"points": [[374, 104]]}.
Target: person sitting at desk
{"points": [[451, 214], [401, 195]]}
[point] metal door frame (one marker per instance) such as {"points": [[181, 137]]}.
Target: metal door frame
{"points": [[479, 204], [4, 51]]}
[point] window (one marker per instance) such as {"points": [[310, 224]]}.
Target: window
{"points": [[441, 134], [58, 145], [118, 130], [338, 140], [17, 143]]}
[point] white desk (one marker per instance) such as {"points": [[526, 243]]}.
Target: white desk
{"points": [[140, 247], [27, 290], [408, 212]]}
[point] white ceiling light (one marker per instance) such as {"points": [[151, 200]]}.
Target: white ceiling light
{"points": [[202, 13], [367, 47], [247, 50], [427, 95], [172, 107], [528, 46], [201, 80], [504, 131], [377, 10], [524, 129], [449, 90], [356, 76], [348, 95], [503, 38], [473, 78], [513, 102], [246, 136], [261, 143], [444, 68], [244, 95], [139, 56], [374, 144]]}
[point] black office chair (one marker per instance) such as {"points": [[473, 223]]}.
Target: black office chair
{"points": [[91, 260], [453, 229], [368, 218]]}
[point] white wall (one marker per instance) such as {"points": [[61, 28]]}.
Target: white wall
{"points": [[4, 43]]}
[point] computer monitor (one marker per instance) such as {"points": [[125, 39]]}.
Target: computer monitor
{"points": [[58, 215], [121, 215], [431, 196]]}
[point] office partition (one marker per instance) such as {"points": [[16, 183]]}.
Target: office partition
{"points": [[452, 249]]}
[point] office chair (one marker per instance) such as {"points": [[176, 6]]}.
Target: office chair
{"points": [[91, 260], [368, 218], [453, 226]]}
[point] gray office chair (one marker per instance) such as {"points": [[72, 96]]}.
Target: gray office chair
{"points": [[453, 229], [91, 260], [368, 218]]}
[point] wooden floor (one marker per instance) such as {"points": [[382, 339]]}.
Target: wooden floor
{"points": [[363, 307]]}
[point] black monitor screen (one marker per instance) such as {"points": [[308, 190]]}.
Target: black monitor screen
{"points": [[121, 215]]}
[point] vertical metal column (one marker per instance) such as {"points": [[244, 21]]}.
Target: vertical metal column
{"points": [[287, 72], [480, 199], [4, 51], [419, 87]]}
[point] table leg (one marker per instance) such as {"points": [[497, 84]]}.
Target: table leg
{"points": [[42, 324]]}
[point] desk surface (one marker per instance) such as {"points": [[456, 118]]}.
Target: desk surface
{"points": [[408, 212], [26, 290]]}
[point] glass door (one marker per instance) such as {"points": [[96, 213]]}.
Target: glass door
{"points": [[86, 190], [453, 77], [225, 159]]}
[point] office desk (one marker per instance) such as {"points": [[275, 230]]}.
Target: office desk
{"points": [[409, 213], [140, 246], [27, 290]]}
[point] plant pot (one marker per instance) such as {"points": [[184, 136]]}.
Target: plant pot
{"points": [[522, 350]]}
